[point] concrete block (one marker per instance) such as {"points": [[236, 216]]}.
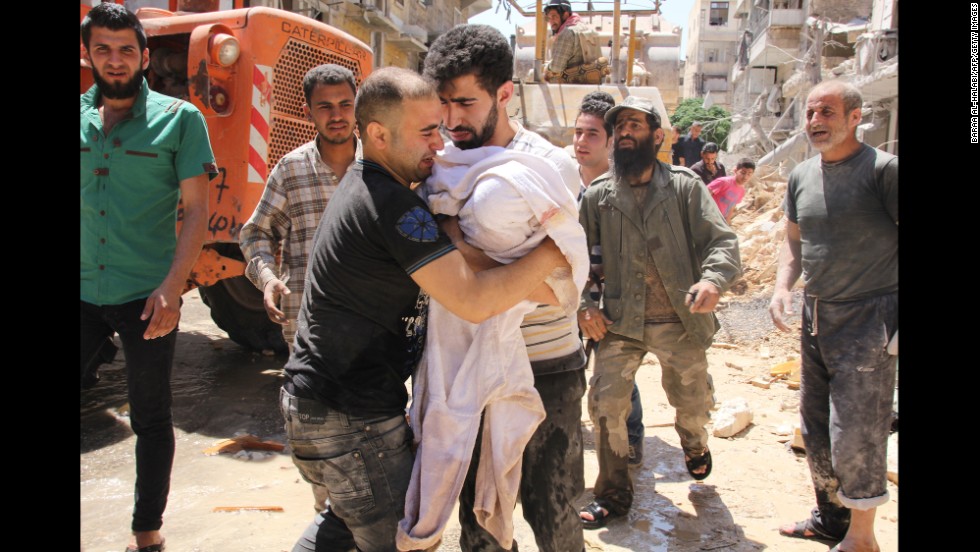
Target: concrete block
{"points": [[732, 417]]}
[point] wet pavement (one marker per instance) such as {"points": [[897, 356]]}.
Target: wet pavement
{"points": [[221, 389]]}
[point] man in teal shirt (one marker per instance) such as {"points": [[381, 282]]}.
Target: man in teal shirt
{"points": [[140, 152]]}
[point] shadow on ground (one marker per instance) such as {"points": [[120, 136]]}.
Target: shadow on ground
{"points": [[218, 387]]}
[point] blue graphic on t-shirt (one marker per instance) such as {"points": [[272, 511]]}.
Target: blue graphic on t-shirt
{"points": [[418, 226]]}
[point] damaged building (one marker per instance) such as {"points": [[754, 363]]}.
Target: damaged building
{"points": [[785, 47]]}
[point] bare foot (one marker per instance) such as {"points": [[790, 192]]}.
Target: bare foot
{"points": [[856, 545]]}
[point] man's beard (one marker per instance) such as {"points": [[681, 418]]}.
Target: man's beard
{"points": [[337, 141], [631, 163], [119, 91], [482, 137]]}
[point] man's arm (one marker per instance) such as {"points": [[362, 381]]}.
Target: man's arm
{"points": [[788, 272], [163, 305], [590, 318], [480, 261], [717, 246], [475, 297], [259, 239]]}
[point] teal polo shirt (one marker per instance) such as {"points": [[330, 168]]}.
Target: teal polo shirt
{"points": [[130, 187]]}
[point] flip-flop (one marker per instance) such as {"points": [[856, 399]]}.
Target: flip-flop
{"points": [[800, 529], [149, 548], [697, 462], [599, 519]]}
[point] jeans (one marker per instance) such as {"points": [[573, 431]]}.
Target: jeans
{"points": [[552, 473], [847, 383], [148, 366], [687, 385], [364, 463]]}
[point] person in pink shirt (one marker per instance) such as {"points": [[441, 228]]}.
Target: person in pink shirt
{"points": [[727, 191]]}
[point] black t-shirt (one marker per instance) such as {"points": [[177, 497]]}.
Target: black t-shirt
{"points": [[690, 149], [361, 326]]}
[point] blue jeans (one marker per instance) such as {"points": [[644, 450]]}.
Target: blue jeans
{"points": [[148, 367], [634, 423], [364, 463], [553, 470], [847, 383]]}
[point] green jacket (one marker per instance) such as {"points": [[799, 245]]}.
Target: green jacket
{"points": [[683, 230]]}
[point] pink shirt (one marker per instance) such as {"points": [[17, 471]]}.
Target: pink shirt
{"points": [[726, 193]]}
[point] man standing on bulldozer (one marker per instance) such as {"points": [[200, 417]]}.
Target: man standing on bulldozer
{"points": [[575, 57]]}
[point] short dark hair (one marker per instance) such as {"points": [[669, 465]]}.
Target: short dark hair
{"points": [[745, 163], [710, 147], [599, 95], [382, 94], [327, 74], [597, 108], [478, 50], [115, 18]]}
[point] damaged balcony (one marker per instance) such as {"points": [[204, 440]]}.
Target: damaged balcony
{"points": [[377, 15]]}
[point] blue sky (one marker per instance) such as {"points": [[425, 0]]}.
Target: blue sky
{"points": [[675, 11]]}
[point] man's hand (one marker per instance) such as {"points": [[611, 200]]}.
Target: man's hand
{"points": [[450, 227], [593, 323], [163, 309], [780, 306], [274, 289], [706, 296]]}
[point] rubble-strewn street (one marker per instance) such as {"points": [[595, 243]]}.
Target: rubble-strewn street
{"points": [[220, 389]]}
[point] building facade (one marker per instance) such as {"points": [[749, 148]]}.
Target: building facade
{"points": [[786, 47], [711, 48]]}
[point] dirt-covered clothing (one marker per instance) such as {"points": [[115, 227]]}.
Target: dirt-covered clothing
{"points": [[847, 212], [848, 217], [679, 227]]}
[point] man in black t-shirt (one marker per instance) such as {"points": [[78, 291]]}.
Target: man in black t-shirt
{"points": [[689, 148], [377, 256]]}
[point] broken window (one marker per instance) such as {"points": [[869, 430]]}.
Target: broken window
{"points": [[718, 16]]}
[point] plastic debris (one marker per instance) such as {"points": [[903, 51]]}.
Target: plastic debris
{"points": [[242, 443]]}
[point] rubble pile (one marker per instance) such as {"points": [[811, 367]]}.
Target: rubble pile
{"points": [[760, 229]]}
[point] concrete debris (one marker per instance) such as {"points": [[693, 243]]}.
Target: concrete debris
{"points": [[720, 345], [797, 443], [784, 429], [733, 416]]}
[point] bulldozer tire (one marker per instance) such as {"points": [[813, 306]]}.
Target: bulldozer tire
{"points": [[236, 307]]}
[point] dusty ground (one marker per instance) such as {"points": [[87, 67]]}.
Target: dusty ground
{"points": [[220, 389]]}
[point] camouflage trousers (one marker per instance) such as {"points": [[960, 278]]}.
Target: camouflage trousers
{"points": [[684, 378]]}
